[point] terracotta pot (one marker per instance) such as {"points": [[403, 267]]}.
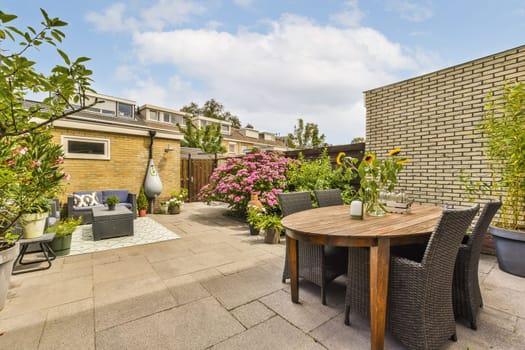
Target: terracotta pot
{"points": [[142, 212]]}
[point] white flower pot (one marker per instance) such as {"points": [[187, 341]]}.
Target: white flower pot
{"points": [[7, 258], [33, 224]]}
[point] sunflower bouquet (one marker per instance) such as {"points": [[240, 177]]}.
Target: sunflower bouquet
{"points": [[375, 176]]}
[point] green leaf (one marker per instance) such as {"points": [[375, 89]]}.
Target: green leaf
{"points": [[64, 56]]}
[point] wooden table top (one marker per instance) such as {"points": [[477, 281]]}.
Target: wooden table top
{"points": [[333, 225]]}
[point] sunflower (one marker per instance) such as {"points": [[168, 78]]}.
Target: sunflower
{"points": [[403, 161], [339, 159], [369, 158], [394, 151]]}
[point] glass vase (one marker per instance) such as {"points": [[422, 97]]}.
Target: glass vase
{"points": [[373, 205]]}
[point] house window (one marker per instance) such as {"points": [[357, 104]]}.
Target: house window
{"points": [[166, 117], [85, 147], [232, 147], [225, 129], [154, 115], [244, 149], [125, 110]]}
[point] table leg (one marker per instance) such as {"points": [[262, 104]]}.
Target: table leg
{"points": [[293, 264], [379, 264]]}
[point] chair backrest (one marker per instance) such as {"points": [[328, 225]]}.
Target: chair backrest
{"points": [[443, 246], [476, 239], [326, 198], [292, 202]]}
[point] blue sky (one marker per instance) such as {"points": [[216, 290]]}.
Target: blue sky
{"points": [[271, 62]]}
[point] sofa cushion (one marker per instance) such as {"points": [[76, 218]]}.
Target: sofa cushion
{"points": [[121, 194], [86, 199]]}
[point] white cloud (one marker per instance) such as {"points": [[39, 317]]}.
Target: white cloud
{"points": [[117, 18], [112, 19], [297, 69], [350, 17]]}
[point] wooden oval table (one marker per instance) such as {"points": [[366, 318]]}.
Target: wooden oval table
{"points": [[333, 226]]}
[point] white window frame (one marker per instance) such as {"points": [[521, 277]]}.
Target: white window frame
{"points": [[230, 145], [67, 154]]}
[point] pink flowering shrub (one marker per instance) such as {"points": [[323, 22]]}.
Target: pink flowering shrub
{"points": [[262, 173]]}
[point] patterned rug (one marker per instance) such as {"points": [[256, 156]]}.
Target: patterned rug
{"points": [[146, 230]]}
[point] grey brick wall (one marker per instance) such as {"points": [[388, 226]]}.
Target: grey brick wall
{"points": [[434, 119]]}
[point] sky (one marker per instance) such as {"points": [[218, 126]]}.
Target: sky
{"points": [[270, 62]]}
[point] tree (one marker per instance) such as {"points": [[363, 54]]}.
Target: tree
{"points": [[30, 166], [358, 140], [212, 109], [305, 136], [209, 139]]}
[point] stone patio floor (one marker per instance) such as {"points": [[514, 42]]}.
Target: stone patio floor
{"points": [[215, 288]]}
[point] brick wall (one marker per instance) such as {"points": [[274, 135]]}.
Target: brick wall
{"points": [[127, 166], [434, 118]]}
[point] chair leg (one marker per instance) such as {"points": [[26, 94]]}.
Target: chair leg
{"points": [[454, 337], [473, 325], [323, 295], [347, 315]]}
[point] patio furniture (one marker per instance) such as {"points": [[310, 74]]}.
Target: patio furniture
{"points": [[420, 311], [466, 294], [111, 223], [333, 225], [319, 264], [43, 243], [80, 203], [326, 198]]}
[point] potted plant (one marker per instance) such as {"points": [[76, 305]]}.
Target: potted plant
{"points": [[142, 202], [33, 218], [503, 127], [112, 202], [272, 227], [163, 205], [64, 229], [253, 217], [176, 201]]}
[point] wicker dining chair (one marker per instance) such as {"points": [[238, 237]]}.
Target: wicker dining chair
{"points": [[419, 311], [326, 198], [466, 294], [317, 264]]}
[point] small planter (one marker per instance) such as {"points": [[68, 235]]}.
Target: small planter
{"points": [[253, 230], [163, 208], [174, 209], [111, 206], [272, 236], [61, 245], [7, 258], [510, 250], [33, 224], [142, 213]]}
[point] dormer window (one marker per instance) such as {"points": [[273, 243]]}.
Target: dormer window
{"points": [[125, 110], [225, 129]]}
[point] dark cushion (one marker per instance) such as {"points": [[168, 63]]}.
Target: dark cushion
{"points": [[121, 194]]}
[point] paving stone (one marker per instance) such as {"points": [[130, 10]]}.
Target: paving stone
{"points": [[186, 289], [240, 288], [253, 313], [69, 326], [131, 266], [307, 315], [23, 331], [122, 300], [196, 325], [275, 333]]}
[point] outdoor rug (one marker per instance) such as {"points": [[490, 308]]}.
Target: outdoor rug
{"points": [[146, 231]]}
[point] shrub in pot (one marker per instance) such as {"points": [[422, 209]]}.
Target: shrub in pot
{"points": [[64, 229], [253, 218], [503, 127], [142, 202], [33, 218], [272, 227], [112, 202]]}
